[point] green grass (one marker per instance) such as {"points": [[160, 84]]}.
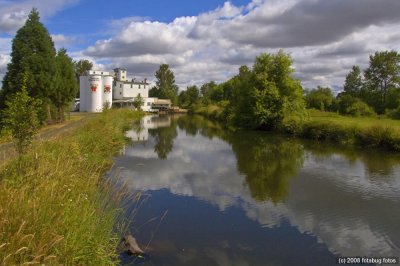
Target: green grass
{"points": [[359, 122], [55, 206], [362, 131]]}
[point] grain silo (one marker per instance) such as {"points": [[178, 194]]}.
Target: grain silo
{"points": [[107, 90], [95, 98]]}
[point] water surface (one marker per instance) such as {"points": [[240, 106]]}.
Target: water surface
{"points": [[212, 197]]}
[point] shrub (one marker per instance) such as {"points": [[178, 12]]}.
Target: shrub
{"points": [[394, 114], [359, 108]]}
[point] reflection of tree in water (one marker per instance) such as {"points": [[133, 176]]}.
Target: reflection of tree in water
{"points": [[164, 138], [375, 161], [195, 124], [268, 162]]}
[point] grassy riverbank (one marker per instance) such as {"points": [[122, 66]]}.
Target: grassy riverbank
{"points": [[374, 132], [360, 131], [55, 208]]}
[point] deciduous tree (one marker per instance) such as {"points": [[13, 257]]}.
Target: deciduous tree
{"points": [[66, 86], [382, 75], [165, 84]]}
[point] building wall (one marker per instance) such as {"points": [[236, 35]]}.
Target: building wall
{"points": [[95, 91], [123, 90]]}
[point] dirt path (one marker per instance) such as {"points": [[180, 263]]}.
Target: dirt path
{"points": [[7, 149]]}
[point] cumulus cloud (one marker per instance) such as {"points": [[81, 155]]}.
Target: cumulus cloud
{"points": [[325, 38], [61, 40], [13, 14]]}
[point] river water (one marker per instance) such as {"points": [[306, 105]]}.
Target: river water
{"points": [[212, 197]]}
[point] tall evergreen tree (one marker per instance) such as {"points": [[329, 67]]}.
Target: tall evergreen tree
{"points": [[33, 58], [165, 84], [66, 86]]}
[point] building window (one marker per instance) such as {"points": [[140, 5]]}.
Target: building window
{"points": [[102, 73], [131, 86], [148, 104], [139, 86], [120, 85]]}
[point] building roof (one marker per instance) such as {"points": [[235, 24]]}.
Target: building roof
{"points": [[162, 101], [133, 82]]}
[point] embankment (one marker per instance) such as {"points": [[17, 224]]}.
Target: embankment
{"points": [[371, 132], [55, 207]]}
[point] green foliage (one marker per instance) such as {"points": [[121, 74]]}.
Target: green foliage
{"points": [[394, 113], [353, 84], [66, 86], [366, 132], [138, 102], [188, 97], [21, 119], [32, 64], [359, 108], [320, 98], [382, 74], [165, 85], [264, 96], [81, 67], [349, 105]]}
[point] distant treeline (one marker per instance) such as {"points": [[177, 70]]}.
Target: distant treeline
{"points": [[263, 96]]}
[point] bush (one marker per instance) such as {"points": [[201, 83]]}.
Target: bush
{"points": [[21, 119], [394, 114], [379, 136], [359, 108]]}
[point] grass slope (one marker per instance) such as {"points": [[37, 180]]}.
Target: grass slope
{"points": [[55, 208]]}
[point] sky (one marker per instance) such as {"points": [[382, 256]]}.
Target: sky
{"points": [[210, 39]]}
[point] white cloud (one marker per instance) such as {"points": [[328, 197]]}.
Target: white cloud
{"points": [[61, 40], [325, 38], [13, 14]]}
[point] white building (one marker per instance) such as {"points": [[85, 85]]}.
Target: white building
{"points": [[95, 91], [100, 88]]}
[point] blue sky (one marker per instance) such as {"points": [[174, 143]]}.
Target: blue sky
{"points": [[209, 40], [92, 19]]}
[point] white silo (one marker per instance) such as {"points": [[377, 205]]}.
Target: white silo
{"points": [[107, 90], [95, 97], [83, 87]]}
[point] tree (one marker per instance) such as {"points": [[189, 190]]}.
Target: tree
{"points": [[188, 97], [32, 64], [382, 75], [66, 87], [320, 98], [81, 67], [165, 84], [264, 96], [353, 84], [138, 102], [20, 117]]}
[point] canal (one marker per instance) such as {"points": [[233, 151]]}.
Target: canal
{"points": [[207, 196]]}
